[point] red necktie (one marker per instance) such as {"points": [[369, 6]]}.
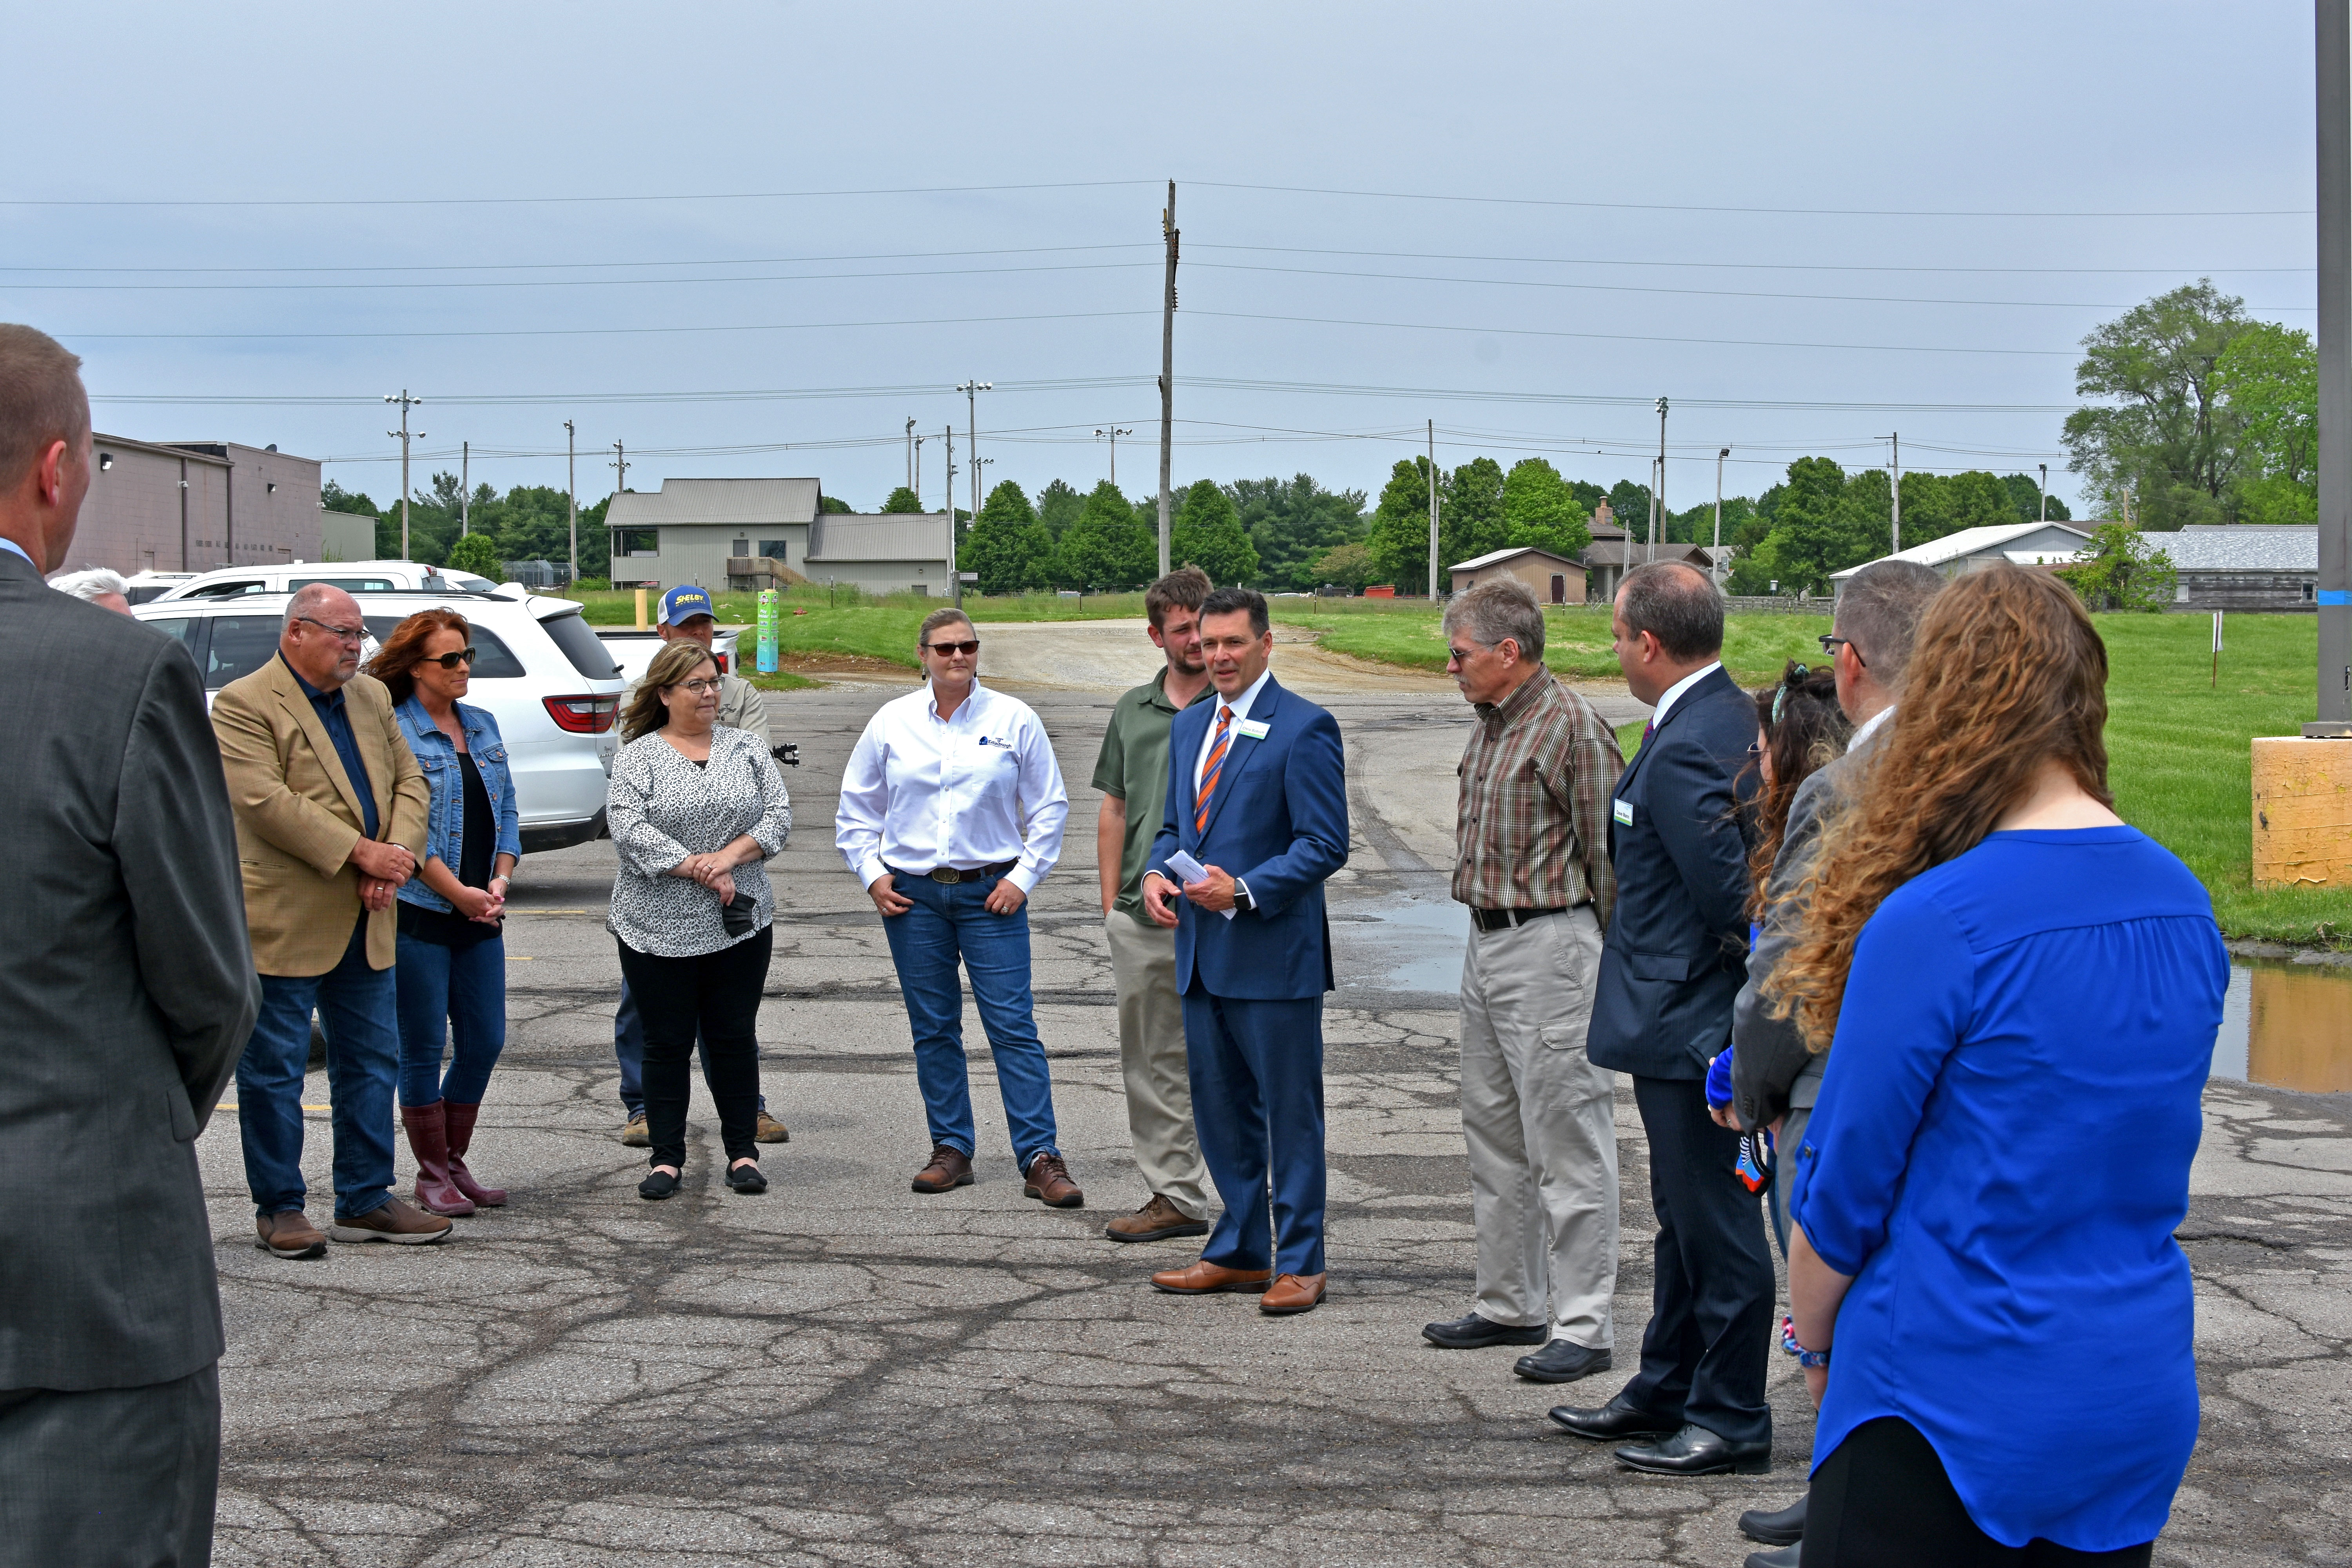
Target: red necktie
{"points": [[1210, 769]]}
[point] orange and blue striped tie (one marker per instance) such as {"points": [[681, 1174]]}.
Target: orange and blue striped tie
{"points": [[1210, 769]]}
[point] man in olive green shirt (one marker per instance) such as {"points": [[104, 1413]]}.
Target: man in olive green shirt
{"points": [[1132, 773]]}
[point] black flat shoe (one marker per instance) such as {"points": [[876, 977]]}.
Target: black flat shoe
{"points": [[1695, 1451], [1788, 1556], [1475, 1332], [1775, 1529], [657, 1184], [746, 1179], [1561, 1361], [1613, 1422]]}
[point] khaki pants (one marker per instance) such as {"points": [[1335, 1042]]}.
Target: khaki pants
{"points": [[1540, 1122], [1151, 1058]]}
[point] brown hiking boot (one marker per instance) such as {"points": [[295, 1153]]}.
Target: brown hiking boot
{"points": [[634, 1135], [949, 1168], [1049, 1180], [290, 1235], [1155, 1221], [395, 1222], [771, 1131]]}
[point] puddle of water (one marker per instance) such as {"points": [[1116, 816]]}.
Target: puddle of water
{"points": [[2288, 1026], [1402, 943]]}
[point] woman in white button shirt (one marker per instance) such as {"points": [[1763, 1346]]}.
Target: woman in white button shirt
{"points": [[951, 812]]}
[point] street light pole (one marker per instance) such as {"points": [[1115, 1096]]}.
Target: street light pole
{"points": [[2045, 492], [572, 498], [1658, 510], [910, 452], [971, 391], [1433, 512], [465, 488], [955, 567], [404, 435], [1114, 433], [1895, 537], [1717, 561]]}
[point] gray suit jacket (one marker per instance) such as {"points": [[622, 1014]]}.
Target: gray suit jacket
{"points": [[126, 993], [1770, 1068]]}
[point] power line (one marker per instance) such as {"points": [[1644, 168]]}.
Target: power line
{"points": [[1742, 266], [1693, 207], [703, 261], [598, 332], [547, 201], [1628, 337], [574, 282]]}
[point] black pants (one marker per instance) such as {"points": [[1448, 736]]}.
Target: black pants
{"points": [[719, 994], [1704, 1354], [110, 1475], [1884, 1498]]}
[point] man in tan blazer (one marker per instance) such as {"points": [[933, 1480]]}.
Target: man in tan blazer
{"points": [[331, 812]]}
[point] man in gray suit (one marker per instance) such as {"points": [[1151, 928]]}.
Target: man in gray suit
{"points": [[1774, 1078], [126, 993]]}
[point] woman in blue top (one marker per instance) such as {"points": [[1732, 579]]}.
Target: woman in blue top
{"points": [[2023, 993], [452, 969]]}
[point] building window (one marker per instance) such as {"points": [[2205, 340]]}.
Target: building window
{"points": [[773, 549], [2180, 593], [635, 541], [742, 547], [2307, 590]]}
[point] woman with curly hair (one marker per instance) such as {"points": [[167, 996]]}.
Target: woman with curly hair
{"points": [[452, 966], [2019, 995]]}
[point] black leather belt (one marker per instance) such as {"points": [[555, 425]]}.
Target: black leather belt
{"points": [[951, 875], [1502, 920]]}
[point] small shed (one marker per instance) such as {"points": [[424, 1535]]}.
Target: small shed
{"points": [[2242, 566], [1552, 579]]}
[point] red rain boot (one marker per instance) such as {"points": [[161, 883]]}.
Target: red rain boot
{"points": [[461, 1137], [428, 1140]]}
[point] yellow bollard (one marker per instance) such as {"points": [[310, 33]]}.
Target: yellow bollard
{"points": [[641, 609], [2302, 812]]}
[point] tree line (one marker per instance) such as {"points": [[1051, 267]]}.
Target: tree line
{"points": [[527, 523]]}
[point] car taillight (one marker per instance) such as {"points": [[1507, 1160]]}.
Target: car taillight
{"points": [[584, 715], [722, 662]]}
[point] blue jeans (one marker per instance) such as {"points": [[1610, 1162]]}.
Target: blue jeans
{"points": [[450, 996], [947, 924], [358, 1010], [629, 1050]]}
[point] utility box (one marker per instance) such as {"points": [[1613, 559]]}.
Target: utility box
{"points": [[2302, 812]]}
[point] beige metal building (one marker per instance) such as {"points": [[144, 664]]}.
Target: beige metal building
{"points": [[1552, 579], [195, 505], [690, 529]]}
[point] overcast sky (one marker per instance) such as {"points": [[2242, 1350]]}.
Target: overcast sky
{"points": [[280, 213]]}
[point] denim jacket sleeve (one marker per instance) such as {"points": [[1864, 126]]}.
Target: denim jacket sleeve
{"points": [[489, 748]]}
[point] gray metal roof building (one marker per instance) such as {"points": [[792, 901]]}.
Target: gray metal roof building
{"points": [[2242, 566], [689, 530]]}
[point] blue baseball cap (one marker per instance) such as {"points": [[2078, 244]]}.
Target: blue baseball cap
{"points": [[684, 603]]}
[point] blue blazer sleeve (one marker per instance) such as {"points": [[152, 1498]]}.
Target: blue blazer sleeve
{"points": [[1908, 998], [1180, 754], [1315, 790], [1702, 837]]}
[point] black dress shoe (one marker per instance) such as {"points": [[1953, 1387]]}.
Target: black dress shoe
{"points": [[657, 1184], [1695, 1451], [1775, 1529], [1475, 1332], [1788, 1556], [1562, 1360], [1612, 1422], [746, 1179]]}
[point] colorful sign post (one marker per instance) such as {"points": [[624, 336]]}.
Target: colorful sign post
{"points": [[771, 605]]}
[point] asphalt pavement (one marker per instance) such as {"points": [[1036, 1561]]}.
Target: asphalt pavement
{"points": [[843, 1372]]}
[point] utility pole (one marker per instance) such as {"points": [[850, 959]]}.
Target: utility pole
{"points": [[1716, 564], [955, 567], [1896, 536], [915, 477], [1114, 433], [2045, 492], [2333, 41], [1433, 512], [910, 453], [572, 497], [620, 461], [1166, 375], [404, 435], [971, 391], [1658, 510], [465, 488]]}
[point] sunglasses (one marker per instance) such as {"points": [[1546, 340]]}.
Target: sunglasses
{"points": [[945, 648], [452, 660]]}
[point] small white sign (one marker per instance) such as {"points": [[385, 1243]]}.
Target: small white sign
{"points": [[1192, 871]]}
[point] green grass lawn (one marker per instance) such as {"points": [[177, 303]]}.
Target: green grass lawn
{"points": [[1576, 637], [844, 623]]}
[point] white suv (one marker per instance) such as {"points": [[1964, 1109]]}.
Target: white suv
{"points": [[537, 668], [351, 576]]}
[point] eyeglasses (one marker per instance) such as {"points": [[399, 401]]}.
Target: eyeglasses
{"points": [[1830, 642], [351, 634], [452, 660], [1462, 655], [945, 648], [701, 686]]}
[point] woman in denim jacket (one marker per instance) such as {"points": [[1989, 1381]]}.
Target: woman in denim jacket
{"points": [[452, 968]]}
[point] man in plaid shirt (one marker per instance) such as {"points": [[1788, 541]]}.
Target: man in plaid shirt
{"points": [[1532, 863]]}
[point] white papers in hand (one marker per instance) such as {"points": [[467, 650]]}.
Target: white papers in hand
{"points": [[1192, 870]]}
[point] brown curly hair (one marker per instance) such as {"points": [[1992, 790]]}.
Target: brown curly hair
{"points": [[395, 662], [2008, 674], [675, 662], [1809, 732]]}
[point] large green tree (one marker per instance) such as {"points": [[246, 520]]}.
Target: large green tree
{"points": [[1292, 522], [1207, 534], [1540, 510], [1005, 545], [2268, 379], [905, 499], [1058, 506], [2162, 440], [1470, 518], [1817, 529], [1398, 538], [1106, 547]]}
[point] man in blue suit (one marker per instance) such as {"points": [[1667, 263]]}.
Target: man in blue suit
{"points": [[1671, 967], [1257, 794]]}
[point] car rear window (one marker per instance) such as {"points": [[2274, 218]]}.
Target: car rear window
{"points": [[493, 660], [582, 646], [240, 645]]}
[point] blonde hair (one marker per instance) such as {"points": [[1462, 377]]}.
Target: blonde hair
{"points": [[676, 662]]}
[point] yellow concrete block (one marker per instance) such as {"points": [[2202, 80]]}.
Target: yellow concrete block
{"points": [[2302, 812]]}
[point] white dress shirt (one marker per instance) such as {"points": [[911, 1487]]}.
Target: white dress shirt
{"points": [[1666, 699], [975, 790], [1241, 706], [1871, 726]]}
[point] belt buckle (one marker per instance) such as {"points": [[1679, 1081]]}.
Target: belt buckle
{"points": [[948, 874]]}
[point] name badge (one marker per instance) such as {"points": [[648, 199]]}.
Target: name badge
{"points": [[1254, 727], [1622, 810]]}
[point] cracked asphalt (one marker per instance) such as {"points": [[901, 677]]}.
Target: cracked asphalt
{"points": [[841, 1372]]}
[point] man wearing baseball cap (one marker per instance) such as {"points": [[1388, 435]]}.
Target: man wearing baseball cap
{"points": [[686, 612]]}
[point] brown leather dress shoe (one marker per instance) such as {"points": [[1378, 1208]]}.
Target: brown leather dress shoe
{"points": [[1155, 1221], [396, 1222], [290, 1235], [1049, 1180], [949, 1168], [1292, 1293], [1204, 1279], [766, 1129]]}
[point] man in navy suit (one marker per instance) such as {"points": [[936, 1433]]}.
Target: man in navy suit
{"points": [[1257, 793], [1671, 967]]}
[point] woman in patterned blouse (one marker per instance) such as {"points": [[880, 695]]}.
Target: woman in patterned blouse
{"points": [[694, 810]]}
